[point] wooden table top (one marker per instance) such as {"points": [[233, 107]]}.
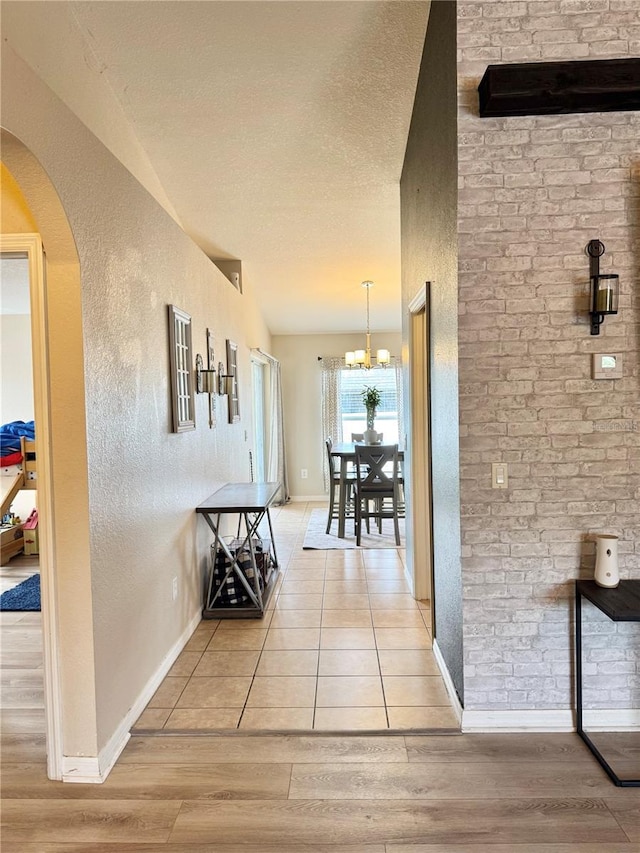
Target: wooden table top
{"points": [[240, 497], [620, 603]]}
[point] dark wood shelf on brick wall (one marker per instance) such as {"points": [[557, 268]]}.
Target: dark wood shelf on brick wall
{"points": [[548, 88]]}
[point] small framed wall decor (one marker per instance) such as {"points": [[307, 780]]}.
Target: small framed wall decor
{"points": [[211, 364], [181, 366], [232, 370]]}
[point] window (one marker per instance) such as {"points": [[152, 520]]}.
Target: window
{"points": [[352, 412], [181, 370]]}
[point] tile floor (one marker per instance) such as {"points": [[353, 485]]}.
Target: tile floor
{"points": [[342, 647]]}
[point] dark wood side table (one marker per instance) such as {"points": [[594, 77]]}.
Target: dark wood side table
{"points": [[621, 604], [251, 502]]}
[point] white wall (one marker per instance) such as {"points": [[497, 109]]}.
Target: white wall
{"points": [[144, 480], [16, 382], [302, 395]]}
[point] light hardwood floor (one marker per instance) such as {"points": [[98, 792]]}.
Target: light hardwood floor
{"points": [[240, 793]]}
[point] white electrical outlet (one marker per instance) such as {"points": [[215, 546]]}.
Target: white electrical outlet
{"points": [[303, 473], [174, 589]]}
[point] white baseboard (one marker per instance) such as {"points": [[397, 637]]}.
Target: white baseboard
{"points": [[309, 499], [95, 769], [448, 683], [561, 720]]}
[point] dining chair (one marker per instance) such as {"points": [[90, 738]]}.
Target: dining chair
{"points": [[377, 486], [335, 483]]}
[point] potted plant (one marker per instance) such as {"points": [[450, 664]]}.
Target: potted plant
{"points": [[371, 398]]}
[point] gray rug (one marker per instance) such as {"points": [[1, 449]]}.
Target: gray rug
{"points": [[317, 540]]}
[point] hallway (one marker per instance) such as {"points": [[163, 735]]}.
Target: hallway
{"points": [[343, 646]]}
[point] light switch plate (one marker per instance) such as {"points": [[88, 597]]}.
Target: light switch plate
{"points": [[499, 475], [606, 366]]}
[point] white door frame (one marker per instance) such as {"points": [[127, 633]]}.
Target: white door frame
{"points": [[30, 246], [420, 465]]}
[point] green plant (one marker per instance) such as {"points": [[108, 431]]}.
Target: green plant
{"points": [[371, 398]]}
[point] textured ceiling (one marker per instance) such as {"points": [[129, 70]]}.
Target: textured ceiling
{"points": [[273, 131]]}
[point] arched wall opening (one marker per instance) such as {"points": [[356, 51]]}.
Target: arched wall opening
{"points": [[31, 211]]}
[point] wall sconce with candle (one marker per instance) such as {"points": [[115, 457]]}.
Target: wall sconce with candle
{"points": [[205, 379], [225, 381], [605, 289]]}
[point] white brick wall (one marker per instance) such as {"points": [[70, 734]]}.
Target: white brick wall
{"points": [[532, 192]]}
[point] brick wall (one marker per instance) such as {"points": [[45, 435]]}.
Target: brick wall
{"points": [[532, 192]]}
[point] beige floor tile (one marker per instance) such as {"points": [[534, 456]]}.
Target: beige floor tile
{"points": [[307, 573], [357, 586], [385, 573], [350, 719], [185, 664], [299, 602], [293, 638], [256, 623], [295, 586], [348, 662], [152, 718], [277, 719], [402, 638], [282, 692], [422, 718], [288, 662], [409, 690], [168, 693], [228, 663], [349, 559], [346, 601], [230, 641], [389, 601], [398, 619], [349, 691], [220, 691], [381, 557], [206, 626], [346, 619], [203, 718], [345, 573], [347, 638], [395, 586], [407, 662], [296, 619]]}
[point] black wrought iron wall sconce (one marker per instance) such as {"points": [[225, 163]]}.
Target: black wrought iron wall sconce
{"points": [[225, 381], [605, 289], [205, 379]]}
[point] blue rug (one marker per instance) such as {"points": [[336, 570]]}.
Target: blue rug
{"points": [[25, 596]]}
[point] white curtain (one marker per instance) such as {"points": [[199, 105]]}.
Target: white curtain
{"points": [[400, 398], [275, 463], [331, 407]]}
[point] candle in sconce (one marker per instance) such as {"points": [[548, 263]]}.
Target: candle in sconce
{"points": [[605, 299]]}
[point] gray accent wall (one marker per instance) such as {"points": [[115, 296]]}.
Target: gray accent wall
{"points": [[429, 253]]}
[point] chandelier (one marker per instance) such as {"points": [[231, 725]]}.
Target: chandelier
{"points": [[362, 357]]}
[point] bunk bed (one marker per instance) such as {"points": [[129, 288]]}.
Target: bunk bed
{"points": [[19, 471]]}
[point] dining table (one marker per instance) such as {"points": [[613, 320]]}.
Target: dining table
{"points": [[345, 452]]}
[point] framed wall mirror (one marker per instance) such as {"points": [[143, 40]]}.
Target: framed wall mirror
{"points": [[181, 366], [232, 370]]}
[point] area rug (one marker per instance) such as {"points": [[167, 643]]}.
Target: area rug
{"points": [[25, 596], [316, 539]]}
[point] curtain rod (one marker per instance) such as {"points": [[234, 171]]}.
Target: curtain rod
{"points": [[265, 354]]}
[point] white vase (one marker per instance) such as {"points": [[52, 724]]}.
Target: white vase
{"points": [[370, 436], [606, 573]]}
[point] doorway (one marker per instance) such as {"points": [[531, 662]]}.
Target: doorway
{"points": [[420, 549], [260, 438]]}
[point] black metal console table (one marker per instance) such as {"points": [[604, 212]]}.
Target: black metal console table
{"points": [[621, 604], [251, 502]]}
